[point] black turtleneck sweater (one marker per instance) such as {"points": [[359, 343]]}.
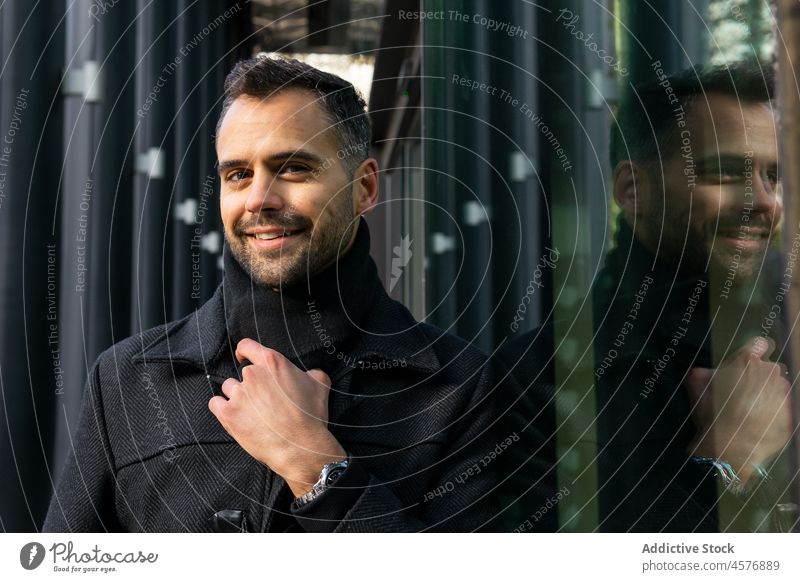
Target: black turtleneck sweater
{"points": [[312, 322]]}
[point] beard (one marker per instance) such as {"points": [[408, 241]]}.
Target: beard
{"points": [[315, 247], [744, 256], [723, 248]]}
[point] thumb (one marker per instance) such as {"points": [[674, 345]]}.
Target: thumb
{"points": [[761, 347], [697, 380], [320, 377]]}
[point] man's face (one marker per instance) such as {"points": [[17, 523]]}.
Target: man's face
{"points": [[727, 219], [288, 204]]}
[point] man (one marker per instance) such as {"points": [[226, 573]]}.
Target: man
{"points": [[300, 397], [691, 414]]}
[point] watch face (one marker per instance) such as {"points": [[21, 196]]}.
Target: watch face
{"points": [[334, 475]]}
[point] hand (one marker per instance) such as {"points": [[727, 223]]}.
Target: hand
{"points": [[279, 414], [741, 409]]}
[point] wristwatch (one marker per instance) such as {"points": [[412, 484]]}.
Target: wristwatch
{"points": [[327, 477], [730, 480]]}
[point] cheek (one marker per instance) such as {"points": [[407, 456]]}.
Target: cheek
{"points": [[702, 204], [322, 205], [779, 199], [231, 209], [704, 207]]}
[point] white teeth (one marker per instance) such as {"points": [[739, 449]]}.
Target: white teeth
{"points": [[742, 236], [270, 235]]}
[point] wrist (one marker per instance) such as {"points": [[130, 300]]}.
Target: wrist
{"points": [[306, 467], [330, 511], [329, 475], [704, 450], [737, 480]]}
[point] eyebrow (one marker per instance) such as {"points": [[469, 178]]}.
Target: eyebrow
{"points": [[714, 161], [304, 155]]}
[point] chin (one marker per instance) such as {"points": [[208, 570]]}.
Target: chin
{"points": [[738, 269], [286, 275]]}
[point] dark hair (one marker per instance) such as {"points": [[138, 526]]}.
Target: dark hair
{"points": [[646, 118], [264, 77]]}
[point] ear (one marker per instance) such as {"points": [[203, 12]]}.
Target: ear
{"points": [[365, 186], [630, 187]]}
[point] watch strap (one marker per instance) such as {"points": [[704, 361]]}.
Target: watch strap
{"points": [[327, 477]]}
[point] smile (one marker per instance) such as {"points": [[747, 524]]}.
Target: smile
{"points": [[273, 238], [274, 235]]}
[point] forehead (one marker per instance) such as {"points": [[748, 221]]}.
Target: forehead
{"points": [[292, 118], [721, 123]]}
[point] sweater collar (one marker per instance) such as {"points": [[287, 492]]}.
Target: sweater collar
{"points": [[674, 299], [631, 260], [653, 294], [323, 312]]}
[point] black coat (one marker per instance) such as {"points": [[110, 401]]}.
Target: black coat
{"points": [[148, 455]]}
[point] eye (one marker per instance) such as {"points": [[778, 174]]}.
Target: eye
{"points": [[724, 174], [730, 173], [773, 177], [236, 176], [294, 168]]}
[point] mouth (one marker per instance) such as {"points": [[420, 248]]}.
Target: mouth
{"points": [[744, 239], [272, 238]]}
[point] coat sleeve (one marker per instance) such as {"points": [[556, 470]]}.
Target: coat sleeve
{"points": [[463, 478], [83, 500]]}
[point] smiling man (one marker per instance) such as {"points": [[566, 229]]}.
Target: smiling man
{"points": [[692, 411], [300, 397]]}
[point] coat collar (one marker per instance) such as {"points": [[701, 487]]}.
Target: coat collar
{"points": [[201, 340]]}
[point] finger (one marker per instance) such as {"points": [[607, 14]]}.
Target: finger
{"points": [[248, 372], [246, 349], [697, 380], [320, 377], [230, 387], [249, 349], [761, 347], [781, 372], [216, 405]]}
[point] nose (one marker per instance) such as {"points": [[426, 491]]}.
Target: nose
{"points": [[767, 197], [263, 194]]}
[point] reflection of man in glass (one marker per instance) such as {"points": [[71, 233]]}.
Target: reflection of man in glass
{"points": [[691, 412]]}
